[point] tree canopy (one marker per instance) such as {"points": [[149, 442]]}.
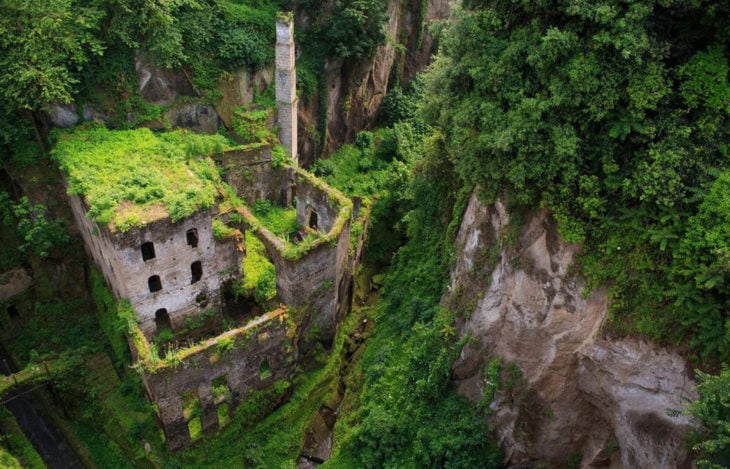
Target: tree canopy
{"points": [[43, 45], [615, 115]]}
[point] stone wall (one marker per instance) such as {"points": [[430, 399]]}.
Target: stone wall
{"points": [[120, 258], [245, 359], [312, 200], [250, 173], [311, 281]]}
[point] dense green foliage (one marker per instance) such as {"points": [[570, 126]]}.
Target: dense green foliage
{"points": [[378, 167], [251, 126], [346, 28], [57, 51], [113, 326], [409, 415], [23, 454], [615, 115], [713, 412], [279, 220], [43, 46], [185, 32], [132, 177], [35, 231]]}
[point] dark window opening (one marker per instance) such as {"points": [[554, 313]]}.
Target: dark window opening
{"points": [[162, 320], [264, 370], [196, 268], [313, 220], [154, 283], [192, 236], [148, 251], [12, 311]]}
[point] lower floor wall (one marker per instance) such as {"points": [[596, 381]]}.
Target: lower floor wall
{"points": [[223, 372]]}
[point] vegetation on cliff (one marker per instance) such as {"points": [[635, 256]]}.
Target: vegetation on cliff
{"points": [[615, 116]]}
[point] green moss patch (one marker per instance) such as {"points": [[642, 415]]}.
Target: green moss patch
{"points": [[129, 178], [259, 274], [279, 220]]}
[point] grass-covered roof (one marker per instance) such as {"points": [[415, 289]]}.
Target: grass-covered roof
{"points": [[132, 177]]}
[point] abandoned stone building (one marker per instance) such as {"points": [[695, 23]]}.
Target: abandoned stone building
{"points": [[168, 271], [172, 272], [175, 272]]}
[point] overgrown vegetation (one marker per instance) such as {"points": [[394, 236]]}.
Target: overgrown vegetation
{"points": [[252, 125], [279, 220], [129, 178], [616, 117], [613, 115], [259, 274], [37, 234], [712, 410], [410, 415], [377, 166]]}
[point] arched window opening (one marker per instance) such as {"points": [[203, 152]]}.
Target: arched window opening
{"points": [[192, 237], [313, 219], [154, 283], [162, 320], [148, 251], [196, 269]]}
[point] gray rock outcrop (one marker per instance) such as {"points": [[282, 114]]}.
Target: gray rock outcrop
{"points": [[573, 396]]}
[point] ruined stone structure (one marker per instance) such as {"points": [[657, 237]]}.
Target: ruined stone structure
{"points": [[168, 271], [221, 372], [171, 271], [286, 84], [175, 274], [319, 277]]}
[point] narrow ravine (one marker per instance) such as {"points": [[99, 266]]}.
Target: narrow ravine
{"points": [[37, 426]]}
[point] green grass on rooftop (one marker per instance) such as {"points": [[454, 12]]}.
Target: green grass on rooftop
{"points": [[132, 177], [279, 220]]}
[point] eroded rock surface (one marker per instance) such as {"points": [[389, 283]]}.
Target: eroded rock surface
{"points": [[566, 395], [356, 87], [14, 282]]}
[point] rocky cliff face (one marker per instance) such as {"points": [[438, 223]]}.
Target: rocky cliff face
{"points": [[564, 395], [355, 89]]}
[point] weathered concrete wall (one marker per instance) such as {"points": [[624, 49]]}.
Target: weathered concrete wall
{"points": [[309, 281], [119, 257], [265, 340]]}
